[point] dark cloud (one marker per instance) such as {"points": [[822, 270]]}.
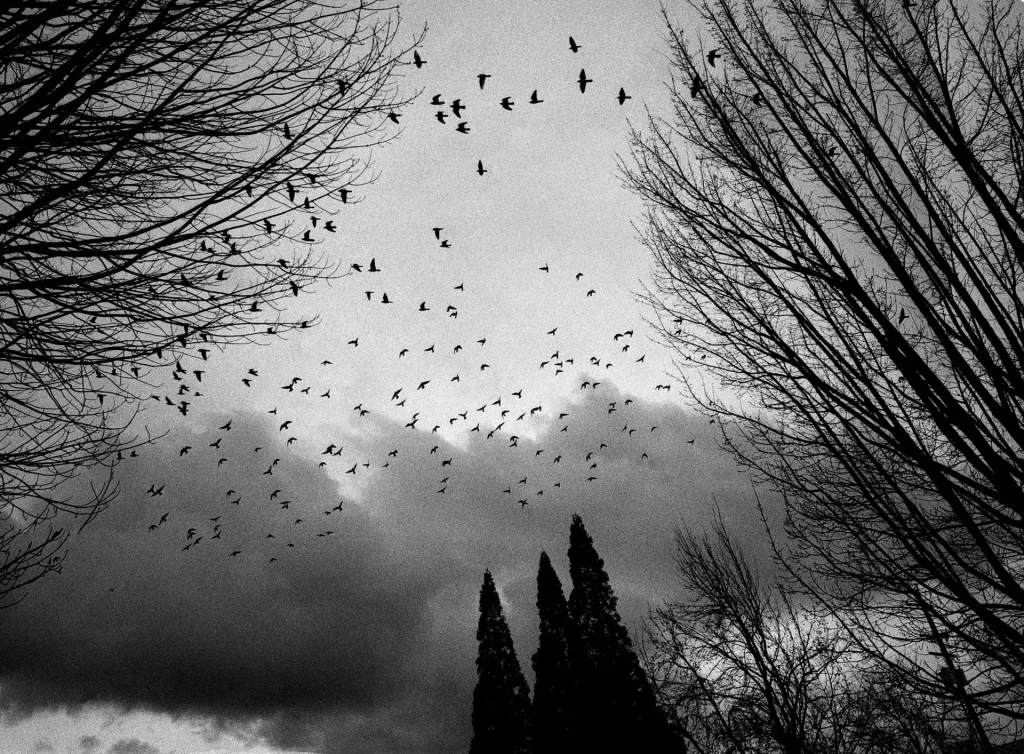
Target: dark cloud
{"points": [[88, 744], [363, 640]]}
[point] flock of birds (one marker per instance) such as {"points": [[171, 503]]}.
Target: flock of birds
{"points": [[512, 420]]}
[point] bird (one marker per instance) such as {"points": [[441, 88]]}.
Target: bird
{"points": [[480, 170], [457, 107], [373, 265], [713, 56], [584, 81], [441, 116], [573, 46], [623, 96], [482, 77], [462, 128], [393, 116], [534, 99], [437, 233], [903, 315], [417, 60], [437, 101], [507, 103]]}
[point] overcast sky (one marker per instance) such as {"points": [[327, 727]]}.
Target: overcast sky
{"points": [[345, 621]]}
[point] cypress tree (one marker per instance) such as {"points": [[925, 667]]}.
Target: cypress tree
{"points": [[615, 707], [501, 699], [551, 712]]}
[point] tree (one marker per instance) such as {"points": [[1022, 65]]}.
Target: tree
{"points": [[501, 699], [160, 162], [740, 668], [614, 708], [836, 216], [551, 714]]}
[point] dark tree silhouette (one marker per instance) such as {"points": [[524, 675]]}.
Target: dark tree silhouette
{"points": [[551, 713], [836, 216], [614, 708], [739, 667], [501, 699], [159, 163]]}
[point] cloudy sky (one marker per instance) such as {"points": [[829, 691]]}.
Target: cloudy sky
{"points": [[328, 602]]}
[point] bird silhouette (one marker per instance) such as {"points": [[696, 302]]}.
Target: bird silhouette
{"points": [[713, 56], [573, 46], [480, 170], [583, 80], [623, 96], [482, 78], [534, 99], [417, 60]]}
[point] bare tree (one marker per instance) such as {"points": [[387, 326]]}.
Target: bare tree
{"points": [[168, 169], [742, 669], [835, 210]]}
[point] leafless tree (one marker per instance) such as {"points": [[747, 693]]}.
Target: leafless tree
{"points": [[168, 169], [742, 669], [835, 210]]}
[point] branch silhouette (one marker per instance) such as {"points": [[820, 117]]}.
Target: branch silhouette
{"points": [[159, 160], [835, 211]]}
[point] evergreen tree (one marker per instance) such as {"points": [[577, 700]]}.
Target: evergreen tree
{"points": [[551, 712], [614, 704], [501, 700]]}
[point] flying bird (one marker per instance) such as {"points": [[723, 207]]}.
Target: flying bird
{"points": [[584, 81], [482, 77], [573, 46], [623, 96], [417, 60], [534, 99], [713, 56], [480, 170]]}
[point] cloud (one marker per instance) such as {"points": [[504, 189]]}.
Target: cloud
{"points": [[88, 744], [364, 639]]}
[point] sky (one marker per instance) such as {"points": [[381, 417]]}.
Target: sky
{"points": [[288, 599]]}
